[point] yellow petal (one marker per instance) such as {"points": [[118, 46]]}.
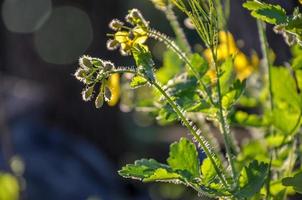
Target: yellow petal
{"points": [[121, 36], [114, 86], [241, 61]]}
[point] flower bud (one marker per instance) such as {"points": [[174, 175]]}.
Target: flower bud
{"points": [[80, 74], [116, 24], [99, 101], [136, 18], [108, 66], [85, 62], [107, 94], [112, 45], [87, 93]]}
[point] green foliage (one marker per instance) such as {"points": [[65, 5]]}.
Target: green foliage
{"points": [[199, 64], [184, 157], [287, 101], [289, 26], [138, 81], [252, 179], [172, 66], [206, 89], [294, 182], [273, 14]]}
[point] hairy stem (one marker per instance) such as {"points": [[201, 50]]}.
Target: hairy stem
{"points": [[223, 121], [199, 138], [180, 35], [171, 45], [267, 65], [204, 144], [265, 54]]}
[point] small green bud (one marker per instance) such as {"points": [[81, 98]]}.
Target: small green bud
{"points": [[116, 25], [85, 62], [107, 94], [108, 66], [136, 18], [130, 19], [80, 74], [99, 101], [87, 93], [112, 44], [97, 62]]}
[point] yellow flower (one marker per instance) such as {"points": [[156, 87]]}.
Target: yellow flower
{"points": [[227, 47], [9, 187], [114, 86], [300, 1], [128, 39]]}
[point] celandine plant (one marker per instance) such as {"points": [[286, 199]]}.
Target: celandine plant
{"points": [[219, 85]]}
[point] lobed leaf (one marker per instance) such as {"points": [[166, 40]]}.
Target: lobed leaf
{"points": [[252, 179], [294, 182], [184, 157]]}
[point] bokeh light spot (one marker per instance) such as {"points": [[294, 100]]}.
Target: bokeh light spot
{"points": [[65, 36], [25, 16]]}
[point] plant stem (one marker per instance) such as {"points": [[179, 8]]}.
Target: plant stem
{"points": [[267, 65], [200, 140], [265, 53], [171, 45], [193, 131], [223, 121], [180, 35]]}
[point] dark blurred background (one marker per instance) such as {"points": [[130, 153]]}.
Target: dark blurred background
{"points": [[70, 150]]}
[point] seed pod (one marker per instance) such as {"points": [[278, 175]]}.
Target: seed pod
{"points": [[87, 93], [107, 94]]}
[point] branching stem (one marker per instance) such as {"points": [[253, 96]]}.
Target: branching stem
{"points": [[171, 45]]}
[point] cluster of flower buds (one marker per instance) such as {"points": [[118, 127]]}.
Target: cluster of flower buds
{"points": [[95, 73], [125, 37]]}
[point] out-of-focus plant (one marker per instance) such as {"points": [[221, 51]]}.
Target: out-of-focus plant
{"points": [[220, 86], [9, 187]]}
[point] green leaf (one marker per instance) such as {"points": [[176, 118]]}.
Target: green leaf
{"points": [[144, 61], [273, 14], [208, 171], [246, 119], [227, 76], [252, 179], [138, 81], [166, 115], [163, 175], [184, 157], [299, 78], [141, 169], [199, 64], [297, 63], [233, 95], [294, 182], [172, 66], [287, 102]]}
